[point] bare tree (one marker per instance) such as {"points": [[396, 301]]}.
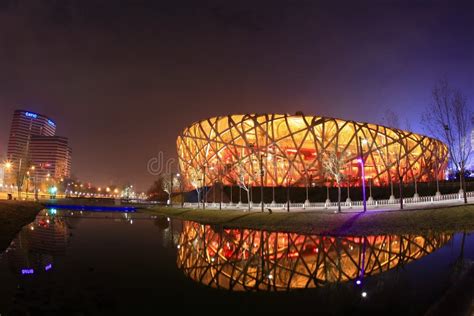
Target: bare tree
{"points": [[170, 184], [196, 181], [333, 164], [448, 118], [243, 180], [391, 119], [398, 158], [21, 175]]}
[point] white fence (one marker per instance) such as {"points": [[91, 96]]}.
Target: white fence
{"points": [[322, 205]]}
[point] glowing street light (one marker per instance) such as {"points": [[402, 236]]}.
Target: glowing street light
{"points": [[8, 165]]}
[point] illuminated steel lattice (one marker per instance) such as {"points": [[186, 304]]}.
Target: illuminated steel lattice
{"points": [[289, 149], [246, 260]]}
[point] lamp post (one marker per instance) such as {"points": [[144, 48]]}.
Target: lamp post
{"points": [[204, 198], [261, 182], [35, 191], [171, 189], [8, 167], [288, 194], [362, 166], [180, 182], [288, 182]]}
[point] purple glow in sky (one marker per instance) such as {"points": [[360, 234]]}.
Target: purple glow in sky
{"points": [[122, 78]]}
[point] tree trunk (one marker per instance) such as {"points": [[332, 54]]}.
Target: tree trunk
{"points": [[400, 188], [338, 197], [463, 185]]}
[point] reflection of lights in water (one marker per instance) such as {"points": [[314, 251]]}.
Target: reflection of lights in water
{"points": [[27, 271], [364, 294]]}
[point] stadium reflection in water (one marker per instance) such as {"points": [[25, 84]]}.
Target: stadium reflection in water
{"points": [[250, 260]]}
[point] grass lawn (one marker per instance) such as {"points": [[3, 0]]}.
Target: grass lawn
{"points": [[13, 216], [447, 219]]}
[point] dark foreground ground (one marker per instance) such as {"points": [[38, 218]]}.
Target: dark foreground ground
{"points": [[13, 216], [447, 219]]}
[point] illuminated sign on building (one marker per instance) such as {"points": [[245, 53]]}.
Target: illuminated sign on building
{"points": [[32, 115], [51, 123], [27, 271]]}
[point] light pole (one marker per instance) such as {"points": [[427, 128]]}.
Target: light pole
{"points": [[306, 202], [362, 166], [35, 191], [27, 184], [438, 193], [171, 189], [288, 181], [8, 166], [261, 181], [204, 197], [180, 182]]}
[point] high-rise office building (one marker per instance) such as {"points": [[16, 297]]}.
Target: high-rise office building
{"points": [[24, 125], [33, 142], [51, 156]]}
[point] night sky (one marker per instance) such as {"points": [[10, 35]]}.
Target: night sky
{"points": [[123, 78]]}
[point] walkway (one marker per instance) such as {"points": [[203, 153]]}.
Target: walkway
{"points": [[424, 202]]}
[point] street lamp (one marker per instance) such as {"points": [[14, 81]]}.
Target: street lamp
{"points": [[204, 191], [35, 191], [362, 166], [8, 165], [261, 180]]}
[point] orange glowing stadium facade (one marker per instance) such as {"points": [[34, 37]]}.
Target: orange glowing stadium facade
{"points": [[284, 149]]}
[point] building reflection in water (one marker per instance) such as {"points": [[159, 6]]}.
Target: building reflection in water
{"points": [[246, 260], [37, 245]]}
